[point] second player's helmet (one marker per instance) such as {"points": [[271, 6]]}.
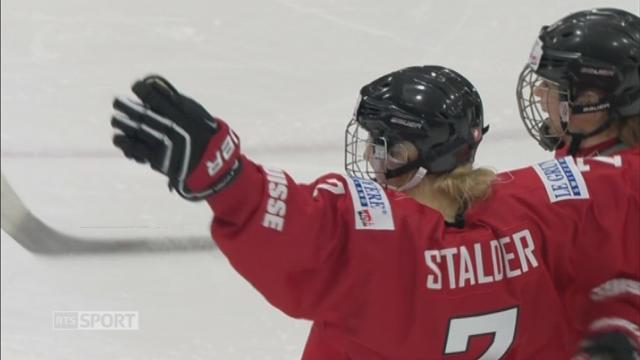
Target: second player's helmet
{"points": [[589, 50], [432, 107]]}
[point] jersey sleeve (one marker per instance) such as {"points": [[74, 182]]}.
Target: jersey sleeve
{"points": [[607, 260], [289, 240]]}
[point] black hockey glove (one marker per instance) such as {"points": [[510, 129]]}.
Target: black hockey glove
{"points": [[174, 134], [610, 346]]}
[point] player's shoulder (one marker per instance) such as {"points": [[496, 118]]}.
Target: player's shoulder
{"points": [[364, 199], [374, 207], [625, 160], [617, 174], [360, 189], [633, 150], [566, 178], [546, 181]]}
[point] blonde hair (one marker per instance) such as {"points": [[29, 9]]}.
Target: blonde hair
{"points": [[630, 130], [465, 185]]}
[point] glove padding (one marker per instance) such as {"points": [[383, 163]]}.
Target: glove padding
{"points": [[174, 134], [612, 345]]}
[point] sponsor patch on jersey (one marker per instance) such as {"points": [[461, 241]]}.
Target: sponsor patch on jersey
{"points": [[562, 179], [370, 205]]}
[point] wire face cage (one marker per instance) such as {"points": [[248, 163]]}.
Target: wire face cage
{"points": [[364, 156], [369, 157], [543, 107]]}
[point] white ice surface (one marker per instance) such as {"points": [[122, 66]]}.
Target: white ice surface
{"points": [[284, 73]]}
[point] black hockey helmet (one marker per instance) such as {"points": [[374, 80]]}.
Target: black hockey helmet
{"points": [[434, 108], [595, 49]]}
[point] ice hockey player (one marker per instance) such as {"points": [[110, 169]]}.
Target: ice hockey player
{"points": [[579, 94], [434, 259]]}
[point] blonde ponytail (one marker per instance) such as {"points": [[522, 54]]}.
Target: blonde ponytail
{"points": [[465, 185]]}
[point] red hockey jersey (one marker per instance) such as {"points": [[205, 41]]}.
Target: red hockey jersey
{"points": [[383, 277]]}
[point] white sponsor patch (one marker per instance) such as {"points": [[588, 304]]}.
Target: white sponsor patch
{"points": [[562, 179], [535, 55], [370, 205]]}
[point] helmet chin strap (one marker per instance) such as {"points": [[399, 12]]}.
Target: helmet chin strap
{"points": [[415, 180], [401, 170], [391, 173], [577, 138]]}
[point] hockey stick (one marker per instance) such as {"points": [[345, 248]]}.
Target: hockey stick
{"points": [[39, 238]]}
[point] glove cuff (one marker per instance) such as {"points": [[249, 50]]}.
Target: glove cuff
{"points": [[218, 166]]}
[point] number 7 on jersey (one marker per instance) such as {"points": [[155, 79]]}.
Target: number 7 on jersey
{"points": [[502, 324]]}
